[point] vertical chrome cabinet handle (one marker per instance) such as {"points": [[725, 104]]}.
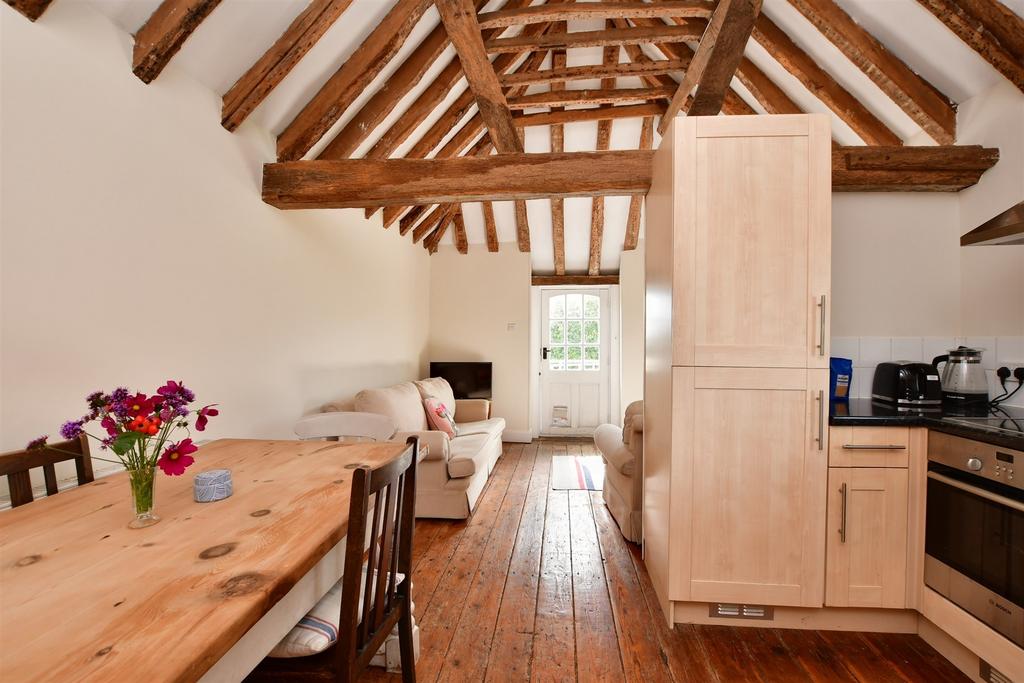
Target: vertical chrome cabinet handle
{"points": [[821, 327], [842, 519], [820, 398]]}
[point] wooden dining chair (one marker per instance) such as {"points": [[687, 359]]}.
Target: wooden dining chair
{"points": [[375, 588], [16, 466]]}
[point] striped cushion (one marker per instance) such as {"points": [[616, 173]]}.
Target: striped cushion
{"points": [[318, 630]]}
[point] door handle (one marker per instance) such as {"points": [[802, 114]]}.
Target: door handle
{"points": [[873, 447], [820, 398], [821, 327], [544, 353], [842, 512]]}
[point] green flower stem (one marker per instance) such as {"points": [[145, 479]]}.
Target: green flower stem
{"points": [[142, 488]]}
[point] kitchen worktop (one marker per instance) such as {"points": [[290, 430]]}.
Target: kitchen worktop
{"points": [[866, 412]]}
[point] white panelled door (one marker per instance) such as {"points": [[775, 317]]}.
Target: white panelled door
{"points": [[574, 370]]}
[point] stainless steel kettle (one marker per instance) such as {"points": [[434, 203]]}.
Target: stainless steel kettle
{"points": [[963, 378]]}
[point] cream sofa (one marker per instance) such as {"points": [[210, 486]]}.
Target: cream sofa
{"points": [[453, 473], [623, 454]]}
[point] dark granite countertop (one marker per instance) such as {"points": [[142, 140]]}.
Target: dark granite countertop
{"points": [[865, 412]]}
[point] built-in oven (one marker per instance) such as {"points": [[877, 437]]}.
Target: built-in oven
{"points": [[974, 530]]}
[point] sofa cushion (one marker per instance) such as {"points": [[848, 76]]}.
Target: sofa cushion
{"points": [[467, 455], [440, 417], [608, 439], [400, 402], [492, 427], [438, 388]]}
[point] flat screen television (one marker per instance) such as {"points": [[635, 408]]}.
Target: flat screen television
{"points": [[468, 380]]}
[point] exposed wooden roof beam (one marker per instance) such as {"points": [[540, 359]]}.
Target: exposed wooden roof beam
{"points": [[847, 107], [918, 98], [490, 226], [348, 183], [165, 32], [459, 18], [909, 169], [389, 95], [603, 38], [593, 72], [262, 77], [559, 116], [431, 242], [410, 219], [32, 9], [604, 136], [715, 60], [522, 219], [560, 280], [432, 221], [603, 10], [1006, 227], [770, 96], [459, 225], [564, 98], [557, 146], [350, 80], [991, 30], [636, 201]]}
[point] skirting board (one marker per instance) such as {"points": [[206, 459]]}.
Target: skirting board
{"points": [[827, 618], [516, 437]]}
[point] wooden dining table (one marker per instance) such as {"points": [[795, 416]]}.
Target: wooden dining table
{"points": [[85, 598]]}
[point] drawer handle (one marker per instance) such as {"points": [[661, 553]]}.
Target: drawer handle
{"points": [[876, 447], [842, 522]]}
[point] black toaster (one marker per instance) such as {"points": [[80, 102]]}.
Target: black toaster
{"points": [[905, 383]]}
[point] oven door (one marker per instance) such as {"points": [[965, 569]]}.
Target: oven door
{"points": [[974, 547]]}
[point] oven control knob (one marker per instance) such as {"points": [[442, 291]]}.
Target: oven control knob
{"points": [[973, 464]]}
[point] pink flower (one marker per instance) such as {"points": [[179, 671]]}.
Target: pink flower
{"points": [[176, 459], [205, 413], [108, 424]]}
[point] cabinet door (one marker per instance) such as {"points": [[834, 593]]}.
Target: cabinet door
{"points": [[752, 478], [754, 233], [866, 563]]}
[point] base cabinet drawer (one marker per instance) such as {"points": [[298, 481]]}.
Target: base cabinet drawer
{"points": [[868, 446], [866, 544]]}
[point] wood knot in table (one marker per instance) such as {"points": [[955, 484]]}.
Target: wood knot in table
{"points": [[27, 560], [355, 465], [260, 513], [104, 651], [217, 551], [242, 584]]}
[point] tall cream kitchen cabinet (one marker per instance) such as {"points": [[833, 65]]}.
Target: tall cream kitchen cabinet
{"points": [[736, 393]]}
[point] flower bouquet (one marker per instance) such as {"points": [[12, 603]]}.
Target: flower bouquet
{"points": [[139, 431]]}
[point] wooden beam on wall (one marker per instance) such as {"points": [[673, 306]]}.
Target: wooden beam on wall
{"points": [[991, 30], [459, 226], [918, 98], [350, 80], [1006, 227], [715, 60], [847, 107], [603, 10], [277, 62], [636, 201], [490, 227], [909, 169], [348, 183], [459, 18], [31, 9], [165, 32], [560, 280], [603, 38]]}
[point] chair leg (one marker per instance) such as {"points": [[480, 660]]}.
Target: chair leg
{"points": [[405, 644]]}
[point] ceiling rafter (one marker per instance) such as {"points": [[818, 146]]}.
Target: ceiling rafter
{"points": [[593, 72], [31, 9], [349, 81], [596, 10], [558, 115], [277, 62], [557, 146], [715, 60], [602, 95], [611, 55], [522, 218], [636, 201], [991, 30], [490, 226], [601, 38], [918, 98], [459, 226], [165, 32]]}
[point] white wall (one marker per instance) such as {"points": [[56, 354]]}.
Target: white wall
{"points": [[480, 311], [135, 248], [631, 296]]}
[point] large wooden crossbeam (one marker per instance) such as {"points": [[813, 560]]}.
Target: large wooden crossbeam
{"points": [[277, 62], [32, 9], [349, 183], [602, 38], [559, 116], [352, 183], [715, 60], [165, 32], [459, 18], [593, 72], [564, 98], [595, 10]]}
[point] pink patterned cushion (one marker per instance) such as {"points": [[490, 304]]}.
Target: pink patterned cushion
{"points": [[440, 417]]}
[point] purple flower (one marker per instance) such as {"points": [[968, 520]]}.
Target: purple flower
{"points": [[205, 413], [72, 429], [109, 424], [176, 393], [36, 444], [118, 401]]}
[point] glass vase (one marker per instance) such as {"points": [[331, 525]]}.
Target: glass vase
{"points": [[141, 481]]}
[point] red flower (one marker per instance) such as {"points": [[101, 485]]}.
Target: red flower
{"points": [[176, 459], [205, 414], [138, 405], [108, 423]]}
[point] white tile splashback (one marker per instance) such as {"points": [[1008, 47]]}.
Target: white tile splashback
{"points": [[867, 352]]}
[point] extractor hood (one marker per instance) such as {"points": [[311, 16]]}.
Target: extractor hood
{"points": [[1006, 228]]}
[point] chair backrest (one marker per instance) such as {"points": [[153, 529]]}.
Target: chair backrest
{"points": [[345, 425], [364, 627], [16, 465]]}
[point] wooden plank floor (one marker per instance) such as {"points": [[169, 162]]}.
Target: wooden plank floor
{"points": [[540, 586]]}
